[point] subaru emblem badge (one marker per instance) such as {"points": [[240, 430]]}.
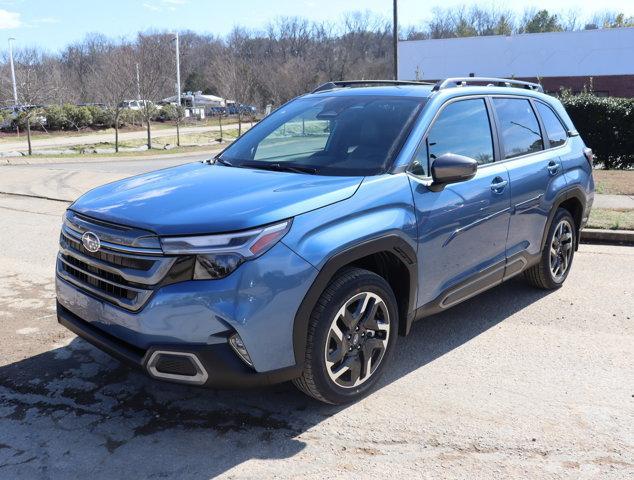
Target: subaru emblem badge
{"points": [[91, 242]]}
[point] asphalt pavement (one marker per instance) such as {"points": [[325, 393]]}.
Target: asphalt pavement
{"points": [[515, 383]]}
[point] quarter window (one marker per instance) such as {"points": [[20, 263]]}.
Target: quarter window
{"points": [[555, 131], [462, 128], [519, 127]]}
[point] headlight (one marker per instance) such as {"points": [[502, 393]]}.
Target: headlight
{"points": [[219, 255]]}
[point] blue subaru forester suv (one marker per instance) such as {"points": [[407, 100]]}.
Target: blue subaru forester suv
{"points": [[305, 248]]}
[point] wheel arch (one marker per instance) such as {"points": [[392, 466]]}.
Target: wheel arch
{"points": [[574, 200], [390, 256]]}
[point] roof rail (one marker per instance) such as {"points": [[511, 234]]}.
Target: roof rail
{"points": [[352, 83], [492, 81]]}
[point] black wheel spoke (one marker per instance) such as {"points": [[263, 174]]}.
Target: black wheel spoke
{"points": [[370, 347], [355, 369], [348, 320], [337, 355], [369, 319]]}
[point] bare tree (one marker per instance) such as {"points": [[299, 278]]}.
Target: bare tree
{"points": [[156, 73], [34, 86], [114, 80]]}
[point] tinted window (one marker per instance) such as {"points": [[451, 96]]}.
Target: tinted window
{"points": [[462, 128], [554, 129], [338, 135], [518, 126]]}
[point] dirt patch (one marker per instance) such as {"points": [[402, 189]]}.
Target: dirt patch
{"points": [[614, 182]]}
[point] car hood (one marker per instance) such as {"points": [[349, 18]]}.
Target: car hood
{"points": [[199, 198]]}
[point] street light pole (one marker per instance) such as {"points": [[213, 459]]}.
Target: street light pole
{"points": [[178, 91], [178, 72], [15, 88], [395, 37], [138, 83]]}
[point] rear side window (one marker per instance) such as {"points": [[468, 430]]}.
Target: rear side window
{"points": [[462, 128], [555, 131], [519, 127]]}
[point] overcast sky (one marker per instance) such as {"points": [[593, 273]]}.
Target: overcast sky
{"points": [[55, 23]]}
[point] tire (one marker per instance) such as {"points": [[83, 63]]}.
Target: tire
{"points": [[562, 238], [342, 330]]}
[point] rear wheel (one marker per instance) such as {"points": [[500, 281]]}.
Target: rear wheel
{"points": [[351, 335], [557, 254]]}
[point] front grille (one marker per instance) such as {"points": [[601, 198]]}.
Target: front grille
{"points": [[128, 262], [124, 279], [108, 288]]}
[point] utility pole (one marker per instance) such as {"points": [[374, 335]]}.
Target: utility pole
{"points": [[138, 83], [15, 88], [395, 37], [178, 71], [178, 91]]}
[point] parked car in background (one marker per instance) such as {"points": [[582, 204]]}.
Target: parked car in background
{"points": [[304, 249], [134, 104], [217, 111], [10, 115], [235, 109]]}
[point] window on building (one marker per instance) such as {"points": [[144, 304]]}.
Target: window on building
{"points": [[519, 127], [555, 131]]}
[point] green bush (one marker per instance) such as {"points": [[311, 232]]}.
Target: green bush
{"points": [[607, 126], [78, 117], [171, 112], [131, 117], [101, 117], [55, 117]]}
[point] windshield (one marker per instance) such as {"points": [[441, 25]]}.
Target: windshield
{"points": [[342, 135]]}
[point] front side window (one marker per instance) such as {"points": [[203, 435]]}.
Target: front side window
{"points": [[462, 128], [555, 131], [328, 135], [518, 126]]}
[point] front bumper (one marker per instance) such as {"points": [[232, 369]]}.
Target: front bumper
{"points": [[258, 301], [222, 368]]}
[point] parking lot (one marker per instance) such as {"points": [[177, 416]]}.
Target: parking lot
{"points": [[516, 382]]}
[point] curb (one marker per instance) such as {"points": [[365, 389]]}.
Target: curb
{"points": [[612, 237]]}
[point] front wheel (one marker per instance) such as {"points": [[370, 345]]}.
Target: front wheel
{"points": [[557, 254], [351, 334]]}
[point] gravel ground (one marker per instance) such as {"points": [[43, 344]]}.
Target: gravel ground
{"points": [[516, 383]]}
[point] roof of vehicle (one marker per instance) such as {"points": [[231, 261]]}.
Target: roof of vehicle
{"points": [[453, 86]]}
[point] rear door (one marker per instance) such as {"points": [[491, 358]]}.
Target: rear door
{"points": [[535, 173], [462, 229]]}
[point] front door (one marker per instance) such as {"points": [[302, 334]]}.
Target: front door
{"points": [[462, 229]]}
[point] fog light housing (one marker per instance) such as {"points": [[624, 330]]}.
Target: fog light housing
{"points": [[238, 346]]}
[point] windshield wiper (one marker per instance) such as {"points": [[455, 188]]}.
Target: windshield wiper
{"points": [[223, 162], [280, 167]]}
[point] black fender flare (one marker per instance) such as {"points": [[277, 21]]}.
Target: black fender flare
{"points": [[391, 243], [574, 191]]}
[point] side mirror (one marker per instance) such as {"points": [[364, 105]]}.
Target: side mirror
{"points": [[452, 168]]}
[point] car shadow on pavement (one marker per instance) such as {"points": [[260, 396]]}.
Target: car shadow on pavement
{"points": [[74, 412]]}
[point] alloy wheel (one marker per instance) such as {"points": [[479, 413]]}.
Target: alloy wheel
{"points": [[561, 247], [357, 340]]}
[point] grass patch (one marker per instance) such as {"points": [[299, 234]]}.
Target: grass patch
{"points": [[614, 182], [187, 140], [611, 219]]}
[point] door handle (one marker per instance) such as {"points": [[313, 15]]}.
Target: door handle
{"points": [[553, 167], [498, 184]]}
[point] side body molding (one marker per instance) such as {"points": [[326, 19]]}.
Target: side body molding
{"points": [[391, 243]]}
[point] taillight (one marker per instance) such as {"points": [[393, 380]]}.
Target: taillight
{"points": [[587, 152]]}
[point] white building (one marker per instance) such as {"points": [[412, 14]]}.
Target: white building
{"points": [[558, 59]]}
